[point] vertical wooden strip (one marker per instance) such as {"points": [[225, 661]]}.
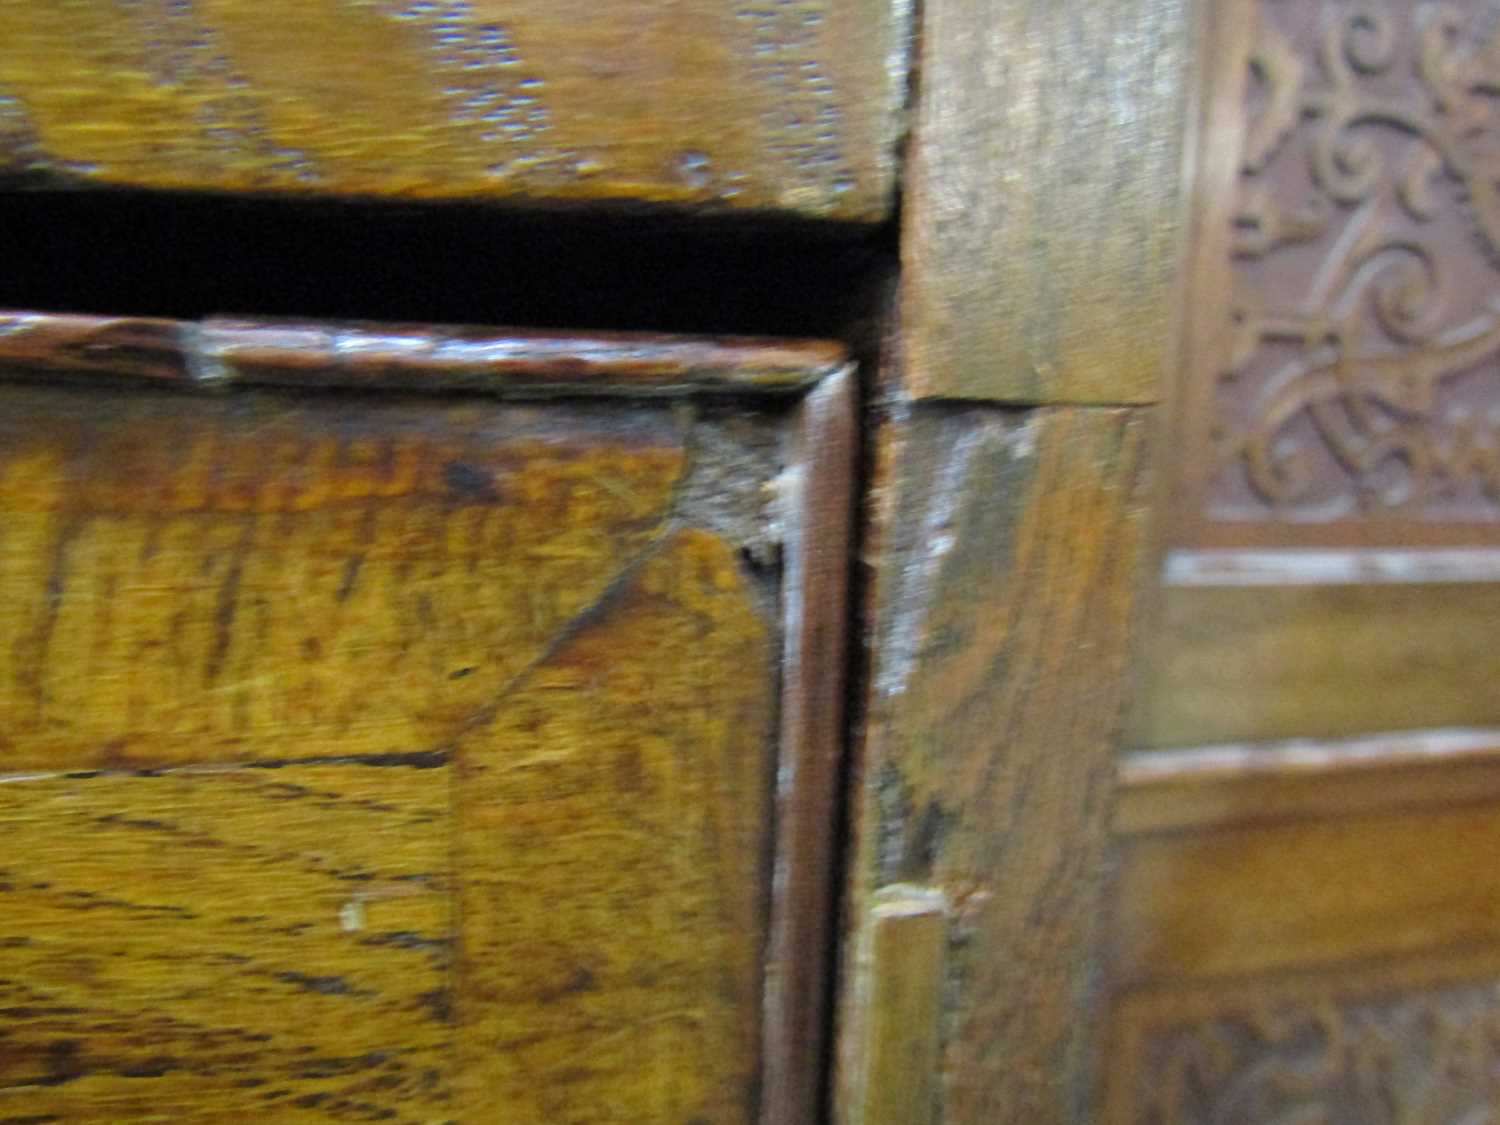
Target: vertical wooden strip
{"points": [[1004, 558], [1043, 199], [899, 1002], [812, 736]]}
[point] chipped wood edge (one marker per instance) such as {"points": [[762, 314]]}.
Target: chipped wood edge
{"points": [[897, 1010], [820, 483], [221, 352]]}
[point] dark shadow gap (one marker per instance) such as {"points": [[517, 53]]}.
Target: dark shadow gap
{"points": [[192, 256]]}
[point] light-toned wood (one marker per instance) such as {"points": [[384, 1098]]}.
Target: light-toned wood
{"points": [[788, 107], [1166, 790], [1003, 561], [1305, 895], [1320, 940], [898, 1008], [1043, 207], [245, 944], [1259, 663]]}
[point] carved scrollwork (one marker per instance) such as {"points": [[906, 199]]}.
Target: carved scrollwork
{"points": [[1364, 378], [1427, 1059]]}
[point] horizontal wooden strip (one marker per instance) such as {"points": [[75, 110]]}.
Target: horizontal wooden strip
{"points": [[1256, 899], [1163, 790], [1309, 567], [405, 357], [1266, 663], [788, 107]]}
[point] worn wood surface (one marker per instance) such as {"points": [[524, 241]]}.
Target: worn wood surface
{"points": [[788, 106], [1003, 563], [898, 1013], [250, 943], [612, 832], [1043, 203], [818, 495], [406, 357], [553, 629], [223, 579], [1255, 663]]}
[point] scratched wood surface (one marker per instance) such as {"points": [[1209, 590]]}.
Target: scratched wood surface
{"points": [[788, 106], [258, 944], [1043, 201], [233, 592], [384, 758], [1003, 565]]}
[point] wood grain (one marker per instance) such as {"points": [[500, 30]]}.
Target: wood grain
{"points": [[632, 766], [1304, 895], [567, 618], [1203, 787], [1003, 563], [256, 944], [817, 491], [900, 974], [222, 579], [787, 107], [1258, 663], [1307, 932], [1044, 205]]}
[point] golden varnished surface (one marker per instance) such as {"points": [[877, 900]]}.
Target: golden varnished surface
{"points": [[392, 760], [788, 107]]}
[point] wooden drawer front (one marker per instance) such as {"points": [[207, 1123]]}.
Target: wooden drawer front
{"points": [[410, 757], [788, 107]]}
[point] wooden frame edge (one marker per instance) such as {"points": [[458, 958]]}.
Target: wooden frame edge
{"points": [[818, 488], [221, 351], [815, 640]]}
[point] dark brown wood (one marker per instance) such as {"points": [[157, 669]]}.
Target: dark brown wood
{"points": [[817, 490], [1339, 388], [1003, 565], [406, 356], [1044, 205]]}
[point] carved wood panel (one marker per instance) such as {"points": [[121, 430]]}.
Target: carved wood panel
{"points": [[1344, 356], [1426, 1056]]}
